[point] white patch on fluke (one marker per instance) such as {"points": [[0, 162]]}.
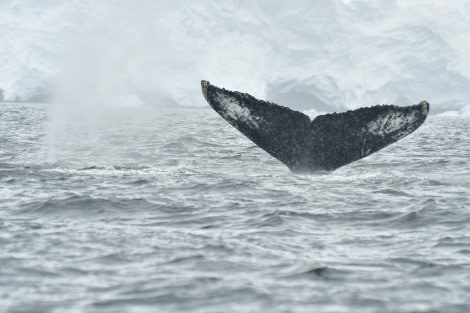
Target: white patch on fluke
{"points": [[392, 122], [233, 110]]}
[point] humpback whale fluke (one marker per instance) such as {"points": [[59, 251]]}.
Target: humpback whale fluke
{"points": [[326, 143]]}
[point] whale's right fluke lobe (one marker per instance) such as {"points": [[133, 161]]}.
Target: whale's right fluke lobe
{"points": [[352, 135], [327, 142]]}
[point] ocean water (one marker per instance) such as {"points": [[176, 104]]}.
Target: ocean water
{"points": [[172, 210]]}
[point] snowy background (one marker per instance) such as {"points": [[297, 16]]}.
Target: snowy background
{"points": [[320, 55]]}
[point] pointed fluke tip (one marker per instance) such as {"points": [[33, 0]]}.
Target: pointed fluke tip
{"points": [[204, 85], [425, 105]]}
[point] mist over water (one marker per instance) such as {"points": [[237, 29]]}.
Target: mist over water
{"points": [[322, 57]]}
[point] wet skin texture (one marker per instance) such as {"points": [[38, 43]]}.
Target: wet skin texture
{"points": [[326, 143]]}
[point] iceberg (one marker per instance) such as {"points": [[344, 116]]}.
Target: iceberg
{"points": [[322, 56]]}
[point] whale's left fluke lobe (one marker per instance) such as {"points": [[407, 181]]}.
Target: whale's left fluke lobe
{"points": [[326, 143]]}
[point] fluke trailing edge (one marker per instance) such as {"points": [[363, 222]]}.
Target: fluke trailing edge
{"points": [[326, 143]]}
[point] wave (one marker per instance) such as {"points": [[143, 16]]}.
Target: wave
{"points": [[84, 206]]}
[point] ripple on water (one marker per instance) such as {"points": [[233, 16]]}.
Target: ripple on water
{"points": [[198, 219]]}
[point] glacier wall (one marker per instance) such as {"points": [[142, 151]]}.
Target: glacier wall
{"points": [[321, 55]]}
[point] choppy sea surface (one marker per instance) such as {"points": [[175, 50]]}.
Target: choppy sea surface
{"points": [[173, 210]]}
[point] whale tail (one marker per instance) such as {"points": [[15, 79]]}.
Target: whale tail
{"points": [[326, 143]]}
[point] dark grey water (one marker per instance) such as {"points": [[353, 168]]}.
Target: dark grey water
{"points": [[151, 210]]}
